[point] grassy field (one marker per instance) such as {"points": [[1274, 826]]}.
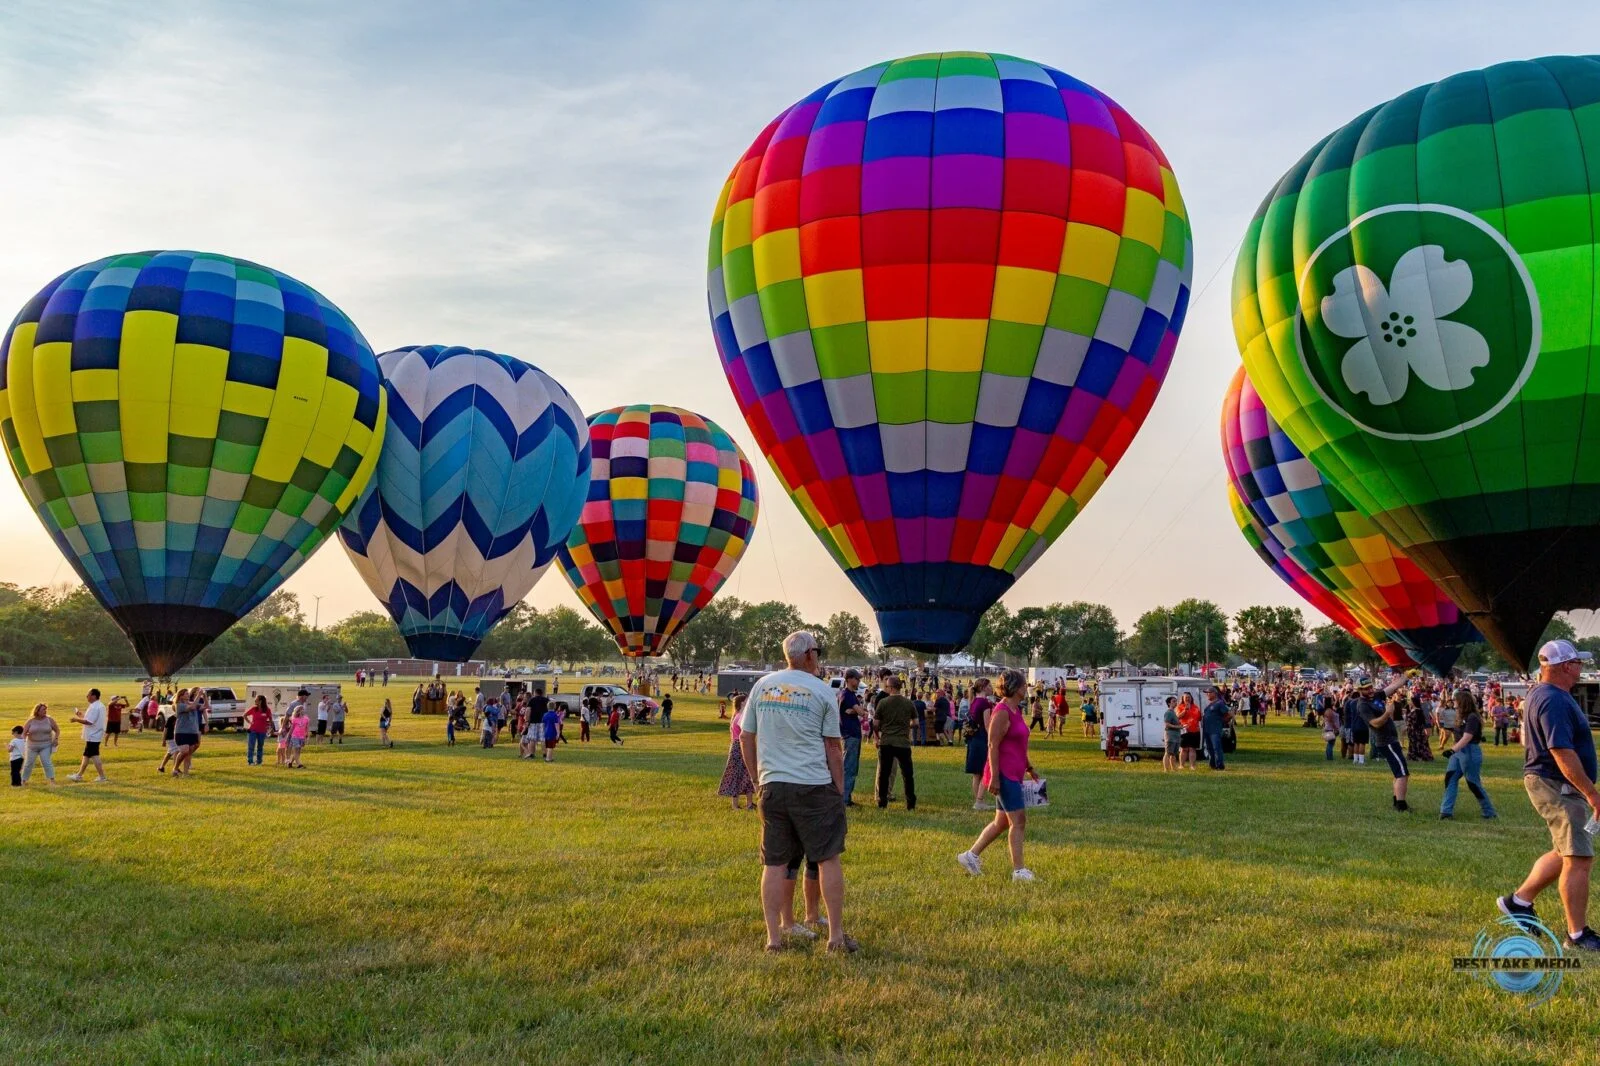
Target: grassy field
{"points": [[454, 905]]}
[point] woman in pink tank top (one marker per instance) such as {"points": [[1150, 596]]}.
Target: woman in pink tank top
{"points": [[1002, 775]]}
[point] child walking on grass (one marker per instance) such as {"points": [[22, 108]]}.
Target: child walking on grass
{"points": [[385, 716]]}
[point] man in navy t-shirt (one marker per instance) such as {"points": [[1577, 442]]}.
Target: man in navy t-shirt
{"points": [[850, 730], [1559, 774]]}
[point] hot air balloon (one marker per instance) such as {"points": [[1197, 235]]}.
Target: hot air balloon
{"points": [[945, 290], [1279, 562], [483, 471], [1414, 301], [189, 427], [1335, 544], [671, 507]]}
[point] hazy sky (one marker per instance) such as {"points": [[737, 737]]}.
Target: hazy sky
{"points": [[538, 178]]}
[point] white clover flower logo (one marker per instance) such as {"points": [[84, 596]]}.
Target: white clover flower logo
{"points": [[1402, 328]]}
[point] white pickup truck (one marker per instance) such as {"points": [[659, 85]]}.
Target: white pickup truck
{"points": [[227, 710], [570, 702]]}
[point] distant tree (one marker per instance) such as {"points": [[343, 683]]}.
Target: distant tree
{"points": [[763, 627], [1270, 634], [1085, 634], [988, 639], [280, 604], [849, 639], [369, 635], [1148, 643], [711, 634], [1332, 647], [1033, 629]]}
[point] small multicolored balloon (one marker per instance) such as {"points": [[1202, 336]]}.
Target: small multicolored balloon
{"points": [[483, 471], [1333, 542], [946, 290], [189, 427], [1415, 301], [671, 508]]}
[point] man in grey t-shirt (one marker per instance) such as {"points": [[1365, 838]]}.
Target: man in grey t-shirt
{"points": [[791, 741]]}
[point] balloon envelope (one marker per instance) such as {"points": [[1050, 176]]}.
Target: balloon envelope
{"points": [[1333, 543], [189, 427], [1414, 299], [946, 290], [483, 471], [671, 508]]}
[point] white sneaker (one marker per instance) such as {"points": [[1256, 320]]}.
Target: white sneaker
{"points": [[800, 932], [75, 777], [969, 862], [1023, 874]]}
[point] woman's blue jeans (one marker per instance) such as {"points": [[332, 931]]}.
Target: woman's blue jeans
{"points": [[1467, 763]]}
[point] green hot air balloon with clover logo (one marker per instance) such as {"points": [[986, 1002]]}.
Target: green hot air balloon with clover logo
{"points": [[1418, 303]]}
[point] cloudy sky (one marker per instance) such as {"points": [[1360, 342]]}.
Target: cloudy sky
{"points": [[538, 178]]}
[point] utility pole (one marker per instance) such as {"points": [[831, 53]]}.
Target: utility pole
{"points": [[1169, 645], [316, 613], [1208, 649]]}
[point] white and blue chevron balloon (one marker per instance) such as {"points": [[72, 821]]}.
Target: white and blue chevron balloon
{"points": [[484, 470]]}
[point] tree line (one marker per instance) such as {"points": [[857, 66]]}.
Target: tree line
{"points": [[64, 626]]}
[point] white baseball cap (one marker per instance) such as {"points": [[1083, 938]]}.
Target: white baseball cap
{"points": [[1556, 652]]}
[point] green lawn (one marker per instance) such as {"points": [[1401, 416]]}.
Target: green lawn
{"points": [[436, 905]]}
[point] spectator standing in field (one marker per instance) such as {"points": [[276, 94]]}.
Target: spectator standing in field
{"points": [[1037, 705], [185, 731], [850, 731], [336, 716], [791, 736], [1419, 724], [666, 711], [385, 719], [552, 722], [93, 720], [585, 720], [975, 730], [1330, 730], [1173, 727], [613, 722], [941, 715], [257, 724], [1213, 721], [42, 735], [1465, 757], [299, 732], [1360, 732], [18, 750], [895, 716], [115, 711], [736, 783], [1008, 763], [1376, 708], [1189, 738], [489, 727], [1559, 774]]}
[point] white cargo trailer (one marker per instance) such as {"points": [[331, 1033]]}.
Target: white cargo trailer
{"points": [[1139, 704]]}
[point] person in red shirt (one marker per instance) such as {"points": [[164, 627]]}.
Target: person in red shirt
{"points": [[1189, 739], [257, 723], [613, 722]]}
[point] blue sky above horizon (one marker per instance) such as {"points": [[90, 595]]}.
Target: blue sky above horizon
{"points": [[539, 179]]}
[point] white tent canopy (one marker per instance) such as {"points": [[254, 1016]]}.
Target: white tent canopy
{"points": [[1248, 669]]}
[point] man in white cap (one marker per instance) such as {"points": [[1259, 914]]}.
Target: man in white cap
{"points": [[1559, 774]]}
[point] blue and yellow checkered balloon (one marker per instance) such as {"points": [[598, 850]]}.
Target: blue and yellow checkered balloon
{"points": [[189, 428]]}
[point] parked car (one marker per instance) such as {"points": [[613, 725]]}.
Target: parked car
{"points": [[631, 702], [226, 710], [542, 668]]}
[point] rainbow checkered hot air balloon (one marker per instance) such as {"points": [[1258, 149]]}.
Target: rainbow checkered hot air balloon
{"points": [[190, 428], [484, 467], [1335, 544], [1279, 562], [671, 508], [946, 290], [1415, 299]]}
